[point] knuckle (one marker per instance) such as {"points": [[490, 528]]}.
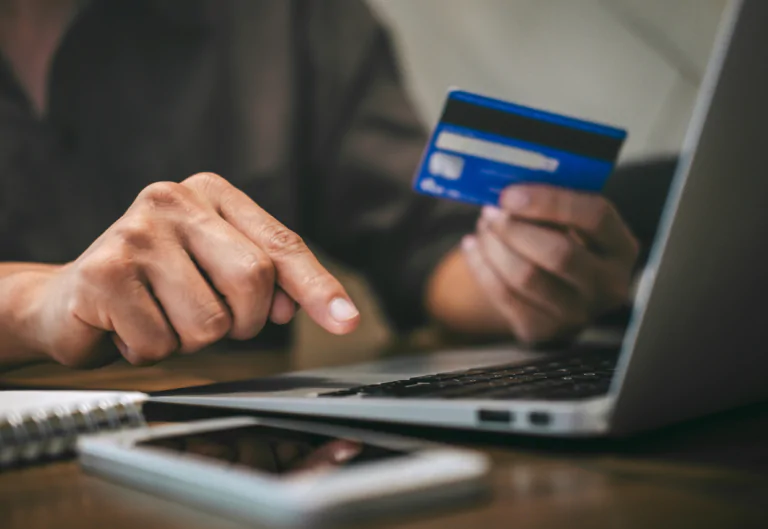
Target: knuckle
{"points": [[562, 254], [526, 276], [552, 203], [136, 232], [203, 181], [107, 267], [213, 323], [280, 240], [163, 194], [254, 272], [216, 323], [252, 329]]}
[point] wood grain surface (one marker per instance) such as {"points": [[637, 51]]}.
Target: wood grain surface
{"points": [[711, 473]]}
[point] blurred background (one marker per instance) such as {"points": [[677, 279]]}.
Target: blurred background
{"points": [[632, 63]]}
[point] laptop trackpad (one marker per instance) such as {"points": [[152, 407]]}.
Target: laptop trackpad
{"points": [[431, 363]]}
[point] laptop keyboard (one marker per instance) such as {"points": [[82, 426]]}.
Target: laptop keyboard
{"points": [[556, 378]]}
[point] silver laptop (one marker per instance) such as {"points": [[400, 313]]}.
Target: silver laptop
{"points": [[697, 341]]}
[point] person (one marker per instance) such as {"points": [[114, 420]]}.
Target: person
{"points": [[165, 167]]}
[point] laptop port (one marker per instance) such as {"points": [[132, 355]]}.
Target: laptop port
{"points": [[495, 416], [539, 418]]}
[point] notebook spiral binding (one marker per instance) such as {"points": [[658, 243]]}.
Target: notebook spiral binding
{"points": [[53, 434]]}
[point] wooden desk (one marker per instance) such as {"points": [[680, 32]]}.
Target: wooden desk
{"points": [[711, 473]]}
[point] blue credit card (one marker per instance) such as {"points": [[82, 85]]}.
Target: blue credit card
{"points": [[482, 145]]}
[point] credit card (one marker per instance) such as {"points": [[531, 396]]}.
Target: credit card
{"points": [[482, 145]]}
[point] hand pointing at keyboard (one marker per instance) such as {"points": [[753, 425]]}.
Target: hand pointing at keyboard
{"points": [[187, 265]]}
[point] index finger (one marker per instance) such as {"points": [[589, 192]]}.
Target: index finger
{"points": [[297, 269], [592, 215]]}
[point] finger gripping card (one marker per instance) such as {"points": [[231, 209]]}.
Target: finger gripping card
{"points": [[482, 145]]}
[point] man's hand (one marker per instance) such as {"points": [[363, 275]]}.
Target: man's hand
{"points": [[550, 260], [187, 265]]}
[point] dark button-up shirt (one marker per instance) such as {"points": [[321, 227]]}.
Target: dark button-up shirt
{"points": [[297, 103]]}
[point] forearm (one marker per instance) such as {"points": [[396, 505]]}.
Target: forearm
{"points": [[456, 301], [18, 283]]}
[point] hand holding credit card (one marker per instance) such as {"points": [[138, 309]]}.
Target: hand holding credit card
{"points": [[482, 145], [550, 252]]}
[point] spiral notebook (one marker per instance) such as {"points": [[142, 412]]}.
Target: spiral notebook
{"points": [[36, 425]]}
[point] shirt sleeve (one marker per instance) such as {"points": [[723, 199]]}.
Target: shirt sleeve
{"points": [[365, 142]]}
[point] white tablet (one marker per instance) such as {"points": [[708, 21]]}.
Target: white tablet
{"points": [[286, 472]]}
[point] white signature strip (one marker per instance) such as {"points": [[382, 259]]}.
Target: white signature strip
{"points": [[494, 151]]}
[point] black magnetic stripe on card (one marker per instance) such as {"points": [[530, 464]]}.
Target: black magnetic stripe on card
{"points": [[518, 127]]}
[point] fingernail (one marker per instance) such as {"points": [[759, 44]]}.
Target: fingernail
{"points": [[468, 242], [515, 199], [342, 310], [492, 214]]}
